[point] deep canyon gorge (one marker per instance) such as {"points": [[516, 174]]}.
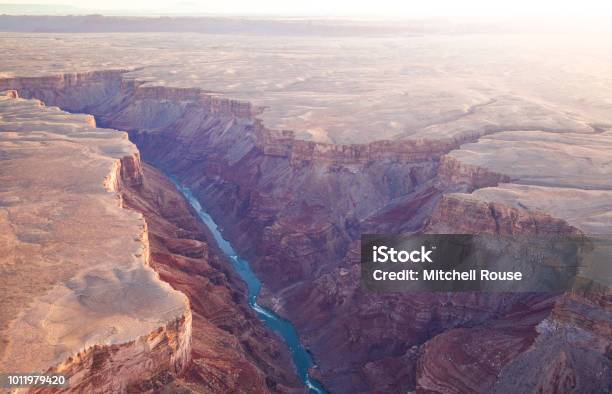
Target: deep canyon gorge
{"points": [[296, 207]]}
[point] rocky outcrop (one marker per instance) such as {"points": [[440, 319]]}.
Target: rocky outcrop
{"points": [[471, 359], [144, 364], [10, 94], [571, 346], [457, 175], [79, 296], [460, 214]]}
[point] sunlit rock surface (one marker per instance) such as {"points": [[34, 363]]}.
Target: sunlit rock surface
{"points": [[567, 175], [75, 284]]}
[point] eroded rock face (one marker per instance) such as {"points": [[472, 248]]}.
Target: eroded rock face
{"points": [[560, 184], [469, 359], [572, 347], [296, 209], [127, 338], [78, 295], [231, 351]]}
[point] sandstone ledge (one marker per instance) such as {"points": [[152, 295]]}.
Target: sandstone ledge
{"points": [[74, 274]]}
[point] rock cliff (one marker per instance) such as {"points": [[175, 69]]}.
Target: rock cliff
{"points": [[231, 351], [296, 208], [100, 309], [79, 296], [559, 186]]}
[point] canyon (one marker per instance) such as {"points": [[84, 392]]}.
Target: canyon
{"points": [[294, 199], [151, 333]]}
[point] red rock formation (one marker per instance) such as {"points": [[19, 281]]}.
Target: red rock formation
{"points": [[11, 94], [128, 367], [296, 209], [533, 347], [216, 344], [231, 350], [470, 359], [456, 174], [458, 214]]}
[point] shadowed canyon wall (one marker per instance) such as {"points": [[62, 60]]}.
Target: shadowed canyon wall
{"points": [[231, 351]]}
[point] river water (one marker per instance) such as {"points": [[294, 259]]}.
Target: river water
{"points": [[301, 357]]}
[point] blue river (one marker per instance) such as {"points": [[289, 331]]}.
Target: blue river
{"points": [[301, 357]]}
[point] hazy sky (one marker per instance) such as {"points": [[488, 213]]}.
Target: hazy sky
{"points": [[399, 8]]}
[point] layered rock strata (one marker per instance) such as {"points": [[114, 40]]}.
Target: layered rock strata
{"points": [[296, 209], [231, 351], [559, 185], [78, 294], [217, 345]]}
